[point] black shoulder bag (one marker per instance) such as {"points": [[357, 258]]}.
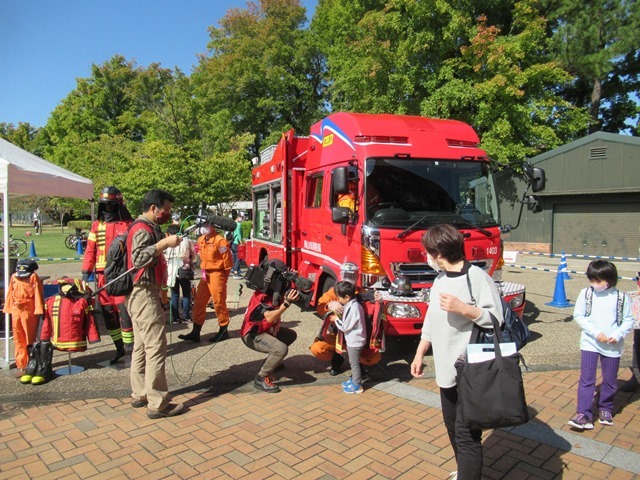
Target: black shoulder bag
{"points": [[491, 393]]}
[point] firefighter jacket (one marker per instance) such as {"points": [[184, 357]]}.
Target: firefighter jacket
{"points": [[100, 238], [69, 323], [215, 254], [25, 297]]}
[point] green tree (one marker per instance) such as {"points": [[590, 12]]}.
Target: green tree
{"points": [[100, 104], [386, 55], [505, 86], [25, 136], [261, 75], [598, 42]]}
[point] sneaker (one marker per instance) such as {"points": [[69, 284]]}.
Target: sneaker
{"points": [[172, 410], [139, 403], [353, 388], [580, 422], [238, 277], [265, 384], [453, 476], [347, 383], [605, 418]]}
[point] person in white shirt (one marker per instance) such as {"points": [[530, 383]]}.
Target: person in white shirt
{"points": [[604, 316], [180, 272]]}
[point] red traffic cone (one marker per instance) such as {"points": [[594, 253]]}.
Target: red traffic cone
{"points": [[559, 294]]}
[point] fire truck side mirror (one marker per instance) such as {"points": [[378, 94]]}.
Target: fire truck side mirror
{"points": [[340, 215], [538, 181], [535, 175], [340, 180], [533, 204]]}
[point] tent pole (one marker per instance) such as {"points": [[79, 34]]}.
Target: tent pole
{"points": [[6, 364]]}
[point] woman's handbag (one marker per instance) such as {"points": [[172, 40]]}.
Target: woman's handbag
{"points": [[491, 392], [185, 273]]}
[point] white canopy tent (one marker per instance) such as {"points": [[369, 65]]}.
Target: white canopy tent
{"points": [[23, 173]]}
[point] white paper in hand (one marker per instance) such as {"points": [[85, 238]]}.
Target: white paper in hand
{"points": [[481, 352]]}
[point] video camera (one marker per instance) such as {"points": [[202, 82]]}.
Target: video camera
{"points": [[273, 276], [220, 223]]}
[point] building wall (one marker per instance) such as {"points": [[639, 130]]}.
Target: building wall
{"points": [[601, 169]]}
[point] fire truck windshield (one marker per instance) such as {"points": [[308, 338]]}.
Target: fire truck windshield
{"points": [[408, 193]]}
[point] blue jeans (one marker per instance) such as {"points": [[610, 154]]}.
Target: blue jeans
{"points": [[185, 286], [236, 260]]}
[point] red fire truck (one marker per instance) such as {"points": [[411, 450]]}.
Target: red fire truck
{"points": [[405, 173]]}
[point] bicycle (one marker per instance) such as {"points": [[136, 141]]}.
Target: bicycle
{"points": [[17, 247], [71, 242]]}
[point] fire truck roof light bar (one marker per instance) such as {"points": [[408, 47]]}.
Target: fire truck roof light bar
{"points": [[461, 143], [380, 139]]}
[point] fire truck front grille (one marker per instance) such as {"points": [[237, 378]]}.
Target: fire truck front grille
{"points": [[419, 273]]}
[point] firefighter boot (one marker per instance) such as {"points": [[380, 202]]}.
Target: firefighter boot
{"points": [[120, 352], [221, 336], [193, 335], [336, 362], [45, 371], [128, 352], [32, 366]]}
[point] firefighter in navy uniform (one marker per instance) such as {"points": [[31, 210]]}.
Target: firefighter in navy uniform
{"points": [[113, 220]]}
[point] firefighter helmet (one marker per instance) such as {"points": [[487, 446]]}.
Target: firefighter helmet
{"points": [[111, 195], [401, 287], [73, 287], [349, 272]]}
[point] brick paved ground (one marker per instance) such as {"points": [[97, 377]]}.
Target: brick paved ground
{"points": [[311, 432]]}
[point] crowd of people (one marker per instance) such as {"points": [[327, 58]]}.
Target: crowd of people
{"points": [[166, 259]]}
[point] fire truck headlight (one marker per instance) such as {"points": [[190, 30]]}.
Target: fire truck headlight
{"points": [[516, 301], [403, 310]]}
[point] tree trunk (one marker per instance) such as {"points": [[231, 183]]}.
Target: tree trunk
{"points": [[596, 97]]}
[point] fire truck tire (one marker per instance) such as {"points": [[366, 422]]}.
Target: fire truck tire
{"points": [[327, 283]]}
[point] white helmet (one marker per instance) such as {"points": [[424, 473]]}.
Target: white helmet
{"points": [[349, 272]]}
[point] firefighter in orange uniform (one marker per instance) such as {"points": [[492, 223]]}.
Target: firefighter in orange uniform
{"points": [[215, 262], [113, 220], [325, 345], [348, 200], [25, 303]]}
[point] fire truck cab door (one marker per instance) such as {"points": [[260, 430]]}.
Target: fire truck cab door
{"points": [[313, 217]]}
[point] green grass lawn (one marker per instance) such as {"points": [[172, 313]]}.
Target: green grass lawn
{"points": [[50, 242]]}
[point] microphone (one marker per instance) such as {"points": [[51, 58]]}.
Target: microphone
{"points": [[221, 223], [189, 229]]}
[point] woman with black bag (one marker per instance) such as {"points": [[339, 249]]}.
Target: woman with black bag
{"points": [[447, 330], [180, 273]]}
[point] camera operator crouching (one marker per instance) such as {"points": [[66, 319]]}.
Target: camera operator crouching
{"points": [[261, 330]]}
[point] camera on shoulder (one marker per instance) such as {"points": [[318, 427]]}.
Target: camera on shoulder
{"points": [[274, 277]]}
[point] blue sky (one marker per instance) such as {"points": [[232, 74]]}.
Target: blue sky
{"points": [[45, 44]]}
